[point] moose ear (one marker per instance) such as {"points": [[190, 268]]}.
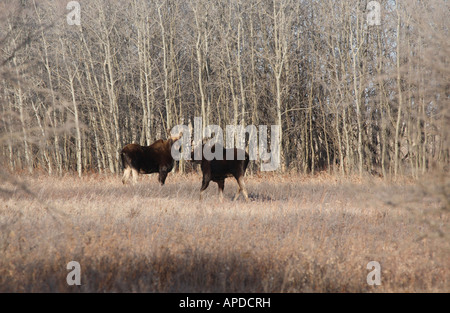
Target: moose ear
{"points": [[176, 137]]}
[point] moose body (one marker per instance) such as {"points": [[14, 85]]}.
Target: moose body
{"points": [[217, 170], [156, 158]]}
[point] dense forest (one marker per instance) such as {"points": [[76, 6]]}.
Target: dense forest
{"points": [[351, 96]]}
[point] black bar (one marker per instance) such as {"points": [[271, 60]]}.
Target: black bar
{"points": [[221, 302]]}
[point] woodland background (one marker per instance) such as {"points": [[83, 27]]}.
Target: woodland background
{"points": [[351, 98], [364, 113]]}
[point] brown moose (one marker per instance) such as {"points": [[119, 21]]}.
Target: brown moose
{"points": [[156, 158], [217, 170]]}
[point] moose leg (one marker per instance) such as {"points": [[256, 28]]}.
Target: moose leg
{"points": [[242, 189], [205, 183], [135, 174], [126, 175], [162, 176], [237, 194], [221, 185]]}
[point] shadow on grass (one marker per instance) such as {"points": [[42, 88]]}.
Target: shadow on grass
{"points": [[188, 271]]}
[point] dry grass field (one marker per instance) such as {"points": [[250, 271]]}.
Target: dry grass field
{"points": [[296, 234]]}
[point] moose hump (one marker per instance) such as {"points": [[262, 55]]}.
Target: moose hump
{"points": [[156, 158]]}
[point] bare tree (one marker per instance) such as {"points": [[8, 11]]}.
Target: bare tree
{"points": [[349, 97]]}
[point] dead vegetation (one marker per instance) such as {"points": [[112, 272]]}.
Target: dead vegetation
{"points": [[297, 234]]}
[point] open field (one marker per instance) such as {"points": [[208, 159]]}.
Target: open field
{"points": [[297, 234]]}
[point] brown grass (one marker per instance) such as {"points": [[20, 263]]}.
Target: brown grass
{"points": [[297, 234]]}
